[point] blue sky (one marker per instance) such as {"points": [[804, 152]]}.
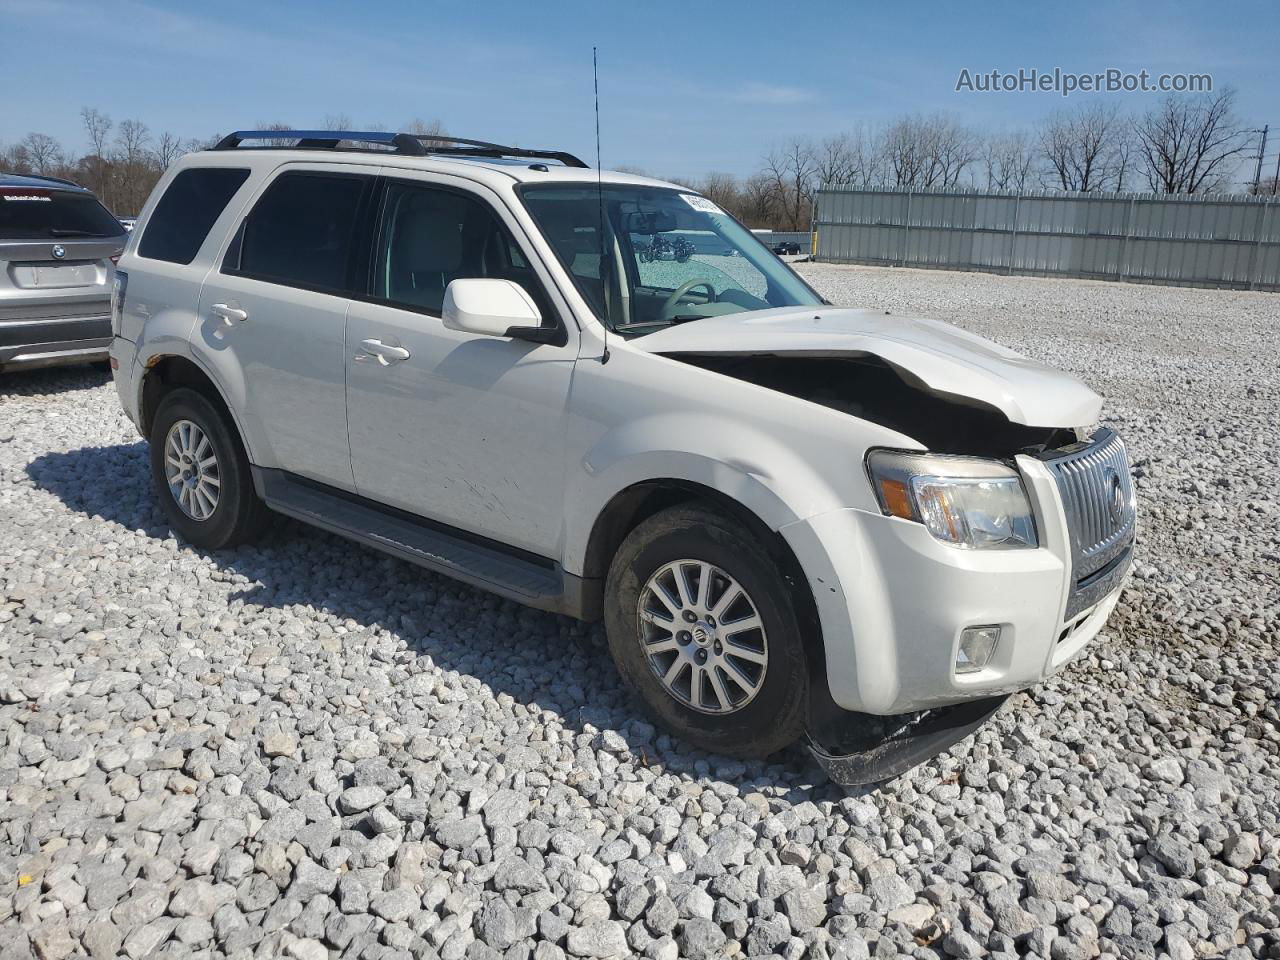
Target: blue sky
{"points": [[685, 88]]}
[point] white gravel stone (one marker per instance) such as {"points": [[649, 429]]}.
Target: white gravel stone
{"points": [[304, 748]]}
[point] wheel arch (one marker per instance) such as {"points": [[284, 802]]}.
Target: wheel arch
{"points": [[636, 503], [167, 372]]}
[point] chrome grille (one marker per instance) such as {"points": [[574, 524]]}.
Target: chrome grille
{"points": [[1096, 487]]}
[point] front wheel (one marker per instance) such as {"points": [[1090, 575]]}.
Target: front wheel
{"points": [[701, 624], [201, 473]]}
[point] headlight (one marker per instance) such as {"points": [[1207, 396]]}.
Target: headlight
{"points": [[963, 501]]}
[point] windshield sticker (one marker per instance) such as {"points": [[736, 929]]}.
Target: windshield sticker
{"points": [[700, 203]]}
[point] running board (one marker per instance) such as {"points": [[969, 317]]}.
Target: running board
{"points": [[534, 582]]}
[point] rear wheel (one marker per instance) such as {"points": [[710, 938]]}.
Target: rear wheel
{"points": [[201, 473], [701, 624]]}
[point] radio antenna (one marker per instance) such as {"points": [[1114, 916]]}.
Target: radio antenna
{"points": [[604, 283]]}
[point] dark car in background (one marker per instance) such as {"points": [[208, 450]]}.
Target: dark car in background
{"points": [[786, 248], [58, 247]]}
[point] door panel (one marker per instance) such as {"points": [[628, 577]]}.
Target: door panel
{"points": [[289, 353], [466, 430], [273, 316]]}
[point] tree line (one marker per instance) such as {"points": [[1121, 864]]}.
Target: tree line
{"points": [[1183, 144], [125, 159]]}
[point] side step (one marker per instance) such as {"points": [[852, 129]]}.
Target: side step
{"points": [[532, 581]]}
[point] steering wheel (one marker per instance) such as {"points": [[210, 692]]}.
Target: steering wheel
{"points": [[668, 305]]}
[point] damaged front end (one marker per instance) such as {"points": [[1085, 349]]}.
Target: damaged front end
{"points": [[860, 749], [871, 389]]}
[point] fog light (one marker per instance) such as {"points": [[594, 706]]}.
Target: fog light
{"points": [[977, 644]]}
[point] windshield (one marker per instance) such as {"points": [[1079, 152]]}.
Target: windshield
{"points": [[41, 213], [672, 257]]}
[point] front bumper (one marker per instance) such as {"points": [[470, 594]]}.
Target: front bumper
{"points": [[893, 601], [54, 341]]}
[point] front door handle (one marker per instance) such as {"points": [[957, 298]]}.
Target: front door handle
{"points": [[228, 313], [385, 352]]}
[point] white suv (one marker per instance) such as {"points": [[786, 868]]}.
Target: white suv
{"points": [[599, 394]]}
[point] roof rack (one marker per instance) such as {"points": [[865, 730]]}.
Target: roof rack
{"points": [[410, 144]]}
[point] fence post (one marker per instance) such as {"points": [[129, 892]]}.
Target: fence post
{"points": [[813, 225], [1013, 235], [906, 232], [1255, 255], [1127, 244]]}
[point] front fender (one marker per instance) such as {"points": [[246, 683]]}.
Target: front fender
{"points": [[731, 457]]}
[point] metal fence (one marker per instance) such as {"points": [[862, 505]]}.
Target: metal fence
{"points": [[1214, 241]]}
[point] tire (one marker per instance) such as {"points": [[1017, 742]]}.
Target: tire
{"points": [[745, 723], [236, 515]]}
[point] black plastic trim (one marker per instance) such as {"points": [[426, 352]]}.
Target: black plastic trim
{"points": [[858, 749], [36, 333], [409, 144], [499, 568]]}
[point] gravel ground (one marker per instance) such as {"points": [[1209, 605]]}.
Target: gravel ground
{"points": [[306, 749]]}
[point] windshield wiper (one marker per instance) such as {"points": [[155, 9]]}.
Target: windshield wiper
{"points": [[667, 322]]}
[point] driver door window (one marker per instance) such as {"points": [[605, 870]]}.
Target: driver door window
{"points": [[431, 237]]}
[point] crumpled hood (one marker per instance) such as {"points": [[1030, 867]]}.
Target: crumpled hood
{"points": [[944, 358]]}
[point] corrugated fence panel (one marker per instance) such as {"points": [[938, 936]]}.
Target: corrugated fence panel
{"points": [[1204, 241]]}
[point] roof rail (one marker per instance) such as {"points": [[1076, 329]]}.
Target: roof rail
{"points": [[411, 144], [323, 139]]}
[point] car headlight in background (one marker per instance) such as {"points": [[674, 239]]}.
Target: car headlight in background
{"points": [[964, 501]]}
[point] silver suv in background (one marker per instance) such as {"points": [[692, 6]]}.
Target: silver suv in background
{"points": [[58, 247]]}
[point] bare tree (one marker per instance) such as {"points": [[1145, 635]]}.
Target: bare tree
{"points": [[133, 168], [337, 121], [97, 126], [423, 128], [202, 143], [834, 160], [866, 157], [759, 200], [721, 189], [168, 149], [791, 168], [1008, 160], [923, 152], [42, 152], [1187, 142], [131, 140], [1086, 148]]}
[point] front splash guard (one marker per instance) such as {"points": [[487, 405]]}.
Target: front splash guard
{"points": [[853, 755]]}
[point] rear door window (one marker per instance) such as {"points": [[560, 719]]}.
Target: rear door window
{"points": [[41, 213], [181, 220], [303, 232]]}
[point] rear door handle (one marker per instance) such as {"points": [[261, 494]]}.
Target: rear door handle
{"points": [[228, 313], [385, 352]]}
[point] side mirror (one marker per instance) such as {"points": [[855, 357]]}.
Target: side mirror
{"points": [[493, 308]]}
